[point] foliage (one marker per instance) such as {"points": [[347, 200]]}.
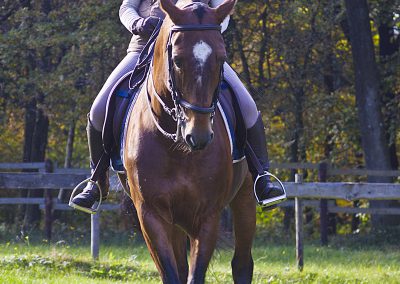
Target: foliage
{"points": [[63, 58], [299, 62], [295, 51]]}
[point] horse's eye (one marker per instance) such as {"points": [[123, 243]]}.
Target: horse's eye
{"points": [[177, 62], [223, 59]]}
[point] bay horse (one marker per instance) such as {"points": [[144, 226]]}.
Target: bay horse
{"points": [[177, 153]]}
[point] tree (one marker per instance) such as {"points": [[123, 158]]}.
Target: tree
{"points": [[389, 45], [368, 98]]}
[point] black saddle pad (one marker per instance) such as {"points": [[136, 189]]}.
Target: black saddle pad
{"points": [[122, 95], [125, 98], [233, 119]]}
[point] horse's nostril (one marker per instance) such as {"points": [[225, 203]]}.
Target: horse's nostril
{"points": [[190, 140], [198, 143]]}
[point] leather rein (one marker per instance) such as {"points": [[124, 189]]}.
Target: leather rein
{"points": [[177, 113]]}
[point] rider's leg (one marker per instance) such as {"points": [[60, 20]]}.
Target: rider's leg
{"points": [[97, 111], [266, 192], [90, 194]]}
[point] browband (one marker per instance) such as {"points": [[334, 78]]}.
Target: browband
{"points": [[179, 28]]}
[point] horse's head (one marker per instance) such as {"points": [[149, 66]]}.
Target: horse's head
{"points": [[192, 65]]}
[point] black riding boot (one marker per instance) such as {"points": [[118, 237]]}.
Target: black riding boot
{"points": [[85, 200], [265, 191]]}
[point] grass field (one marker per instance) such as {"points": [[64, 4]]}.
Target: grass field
{"points": [[129, 262]]}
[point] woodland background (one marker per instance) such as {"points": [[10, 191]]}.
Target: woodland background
{"points": [[325, 75]]}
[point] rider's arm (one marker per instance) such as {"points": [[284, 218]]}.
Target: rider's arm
{"points": [[128, 13], [225, 23]]}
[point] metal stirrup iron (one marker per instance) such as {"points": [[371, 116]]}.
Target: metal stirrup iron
{"points": [[92, 210]]}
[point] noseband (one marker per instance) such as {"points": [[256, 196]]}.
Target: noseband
{"points": [[180, 104]]}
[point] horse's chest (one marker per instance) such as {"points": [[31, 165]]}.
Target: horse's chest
{"points": [[160, 171], [176, 172]]}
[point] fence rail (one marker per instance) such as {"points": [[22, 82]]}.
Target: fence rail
{"points": [[319, 190], [331, 170], [40, 180], [23, 166], [55, 179]]}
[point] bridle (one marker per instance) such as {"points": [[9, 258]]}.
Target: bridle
{"points": [[177, 113]]}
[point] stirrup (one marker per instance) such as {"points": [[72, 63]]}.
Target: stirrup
{"points": [[92, 210], [274, 200]]}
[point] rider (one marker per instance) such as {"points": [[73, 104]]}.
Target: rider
{"points": [[140, 17]]}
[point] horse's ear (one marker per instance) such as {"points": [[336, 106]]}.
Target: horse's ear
{"points": [[171, 10], [225, 9]]}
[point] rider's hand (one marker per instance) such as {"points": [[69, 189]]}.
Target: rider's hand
{"points": [[145, 26]]}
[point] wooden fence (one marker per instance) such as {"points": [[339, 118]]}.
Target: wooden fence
{"points": [[50, 179]]}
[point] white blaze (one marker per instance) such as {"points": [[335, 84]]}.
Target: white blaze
{"points": [[201, 52]]}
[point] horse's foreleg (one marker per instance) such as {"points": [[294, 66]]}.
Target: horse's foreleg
{"points": [[158, 234], [201, 249], [244, 221], [179, 242]]}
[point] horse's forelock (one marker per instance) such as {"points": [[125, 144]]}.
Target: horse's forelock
{"points": [[200, 9], [183, 3]]}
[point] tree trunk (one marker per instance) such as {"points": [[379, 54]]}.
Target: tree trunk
{"points": [[263, 51], [368, 100], [39, 142], [70, 145], [388, 46], [243, 59], [229, 41], [30, 118], [38, 150], [40, 130], [63, 194], [297, 152]]}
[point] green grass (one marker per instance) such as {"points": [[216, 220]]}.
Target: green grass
{"points": [[129, 262]]}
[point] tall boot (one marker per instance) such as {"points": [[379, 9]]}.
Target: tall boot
{"points": [[85, 200], [266, 193]]}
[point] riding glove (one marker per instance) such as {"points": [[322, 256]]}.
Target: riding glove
{"points": [[145, 26]]}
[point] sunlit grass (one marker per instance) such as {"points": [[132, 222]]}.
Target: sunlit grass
{"points": [[129, 262]]}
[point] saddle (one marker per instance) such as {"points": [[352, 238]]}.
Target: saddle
{"points": [[123, 95]]}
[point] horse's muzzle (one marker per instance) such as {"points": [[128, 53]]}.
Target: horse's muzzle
{"points": [[198, 142]]}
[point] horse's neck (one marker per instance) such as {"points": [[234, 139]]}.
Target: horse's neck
{"points": [[159, 77], [160, 71], [157, 87], [154, 115], [157, 84]]}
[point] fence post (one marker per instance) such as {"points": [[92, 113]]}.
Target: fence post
{"points": [[95, 235], [323, 205], [299, 227], [49, 168]]}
